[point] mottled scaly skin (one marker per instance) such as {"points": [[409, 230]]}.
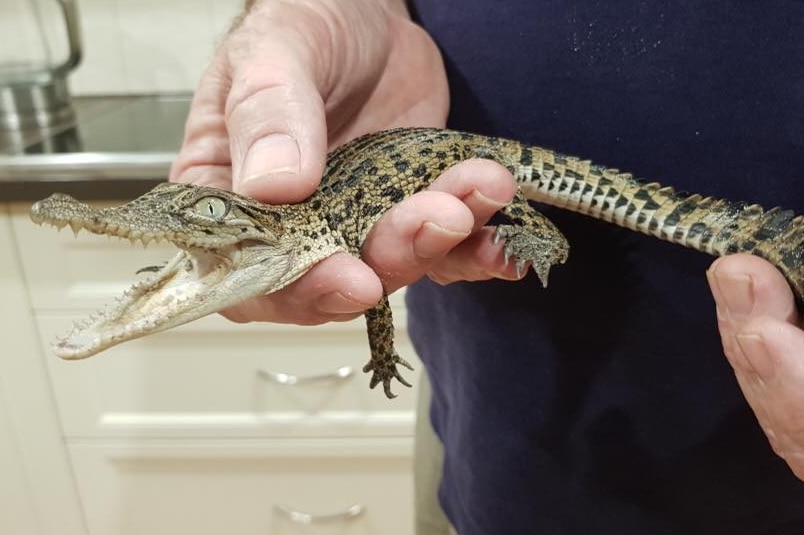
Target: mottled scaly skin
{"points": [[234, 248]]}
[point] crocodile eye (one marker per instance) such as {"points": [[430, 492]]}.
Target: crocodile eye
{"points": [[212, 207]]}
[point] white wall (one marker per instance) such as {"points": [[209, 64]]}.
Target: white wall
{"points": [[145, 46], [130, 46]]}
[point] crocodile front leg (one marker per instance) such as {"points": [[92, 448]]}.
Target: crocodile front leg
{"points": [[384, 359], [531, 238]]}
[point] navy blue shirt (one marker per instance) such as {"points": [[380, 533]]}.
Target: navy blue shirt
{"points": [[604, 404]]}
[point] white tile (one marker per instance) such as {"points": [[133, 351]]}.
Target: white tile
{"points": [[223, 13], [101, 70], [24, 40], [130, 46], [165, 45]]}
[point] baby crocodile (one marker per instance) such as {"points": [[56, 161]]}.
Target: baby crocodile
{"points": [[234, 248]]}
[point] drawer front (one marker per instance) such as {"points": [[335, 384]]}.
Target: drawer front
{"points": [[215, 378], [270, 488]]}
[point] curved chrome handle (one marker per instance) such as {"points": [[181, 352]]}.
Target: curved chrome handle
{"points": [[341, 374], [69, 10], [299, 517]]}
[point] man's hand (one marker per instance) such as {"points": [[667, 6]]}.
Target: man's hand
{"points": [[294, 79], [764, 342]]}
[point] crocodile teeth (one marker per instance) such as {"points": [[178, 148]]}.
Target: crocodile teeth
{"points": [[76, 226]]}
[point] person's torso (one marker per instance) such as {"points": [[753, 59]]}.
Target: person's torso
{"points": [[604, 402]]}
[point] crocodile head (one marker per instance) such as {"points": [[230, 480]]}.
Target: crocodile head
{"points": [[231, 248]]}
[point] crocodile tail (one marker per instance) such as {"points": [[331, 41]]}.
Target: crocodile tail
{"points": [[706, 224], [721, 227], [776, 235]]}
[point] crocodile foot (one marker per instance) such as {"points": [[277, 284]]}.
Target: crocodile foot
{"points": [[384, 359], [531, 238], [542, 249], [385, 370]]}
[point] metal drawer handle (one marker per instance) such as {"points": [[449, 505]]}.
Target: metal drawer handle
{"points": [[299, 517], [287, 379]]}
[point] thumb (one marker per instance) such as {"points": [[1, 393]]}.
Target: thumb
{"points": [[746, 287], [277, 126], [256, 126], [751, 295]]}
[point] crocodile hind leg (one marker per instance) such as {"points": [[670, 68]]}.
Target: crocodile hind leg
{"points": [[384, 359], [531, 238]]}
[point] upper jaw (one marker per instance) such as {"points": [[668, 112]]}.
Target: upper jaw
{"points": [[120, 222]]}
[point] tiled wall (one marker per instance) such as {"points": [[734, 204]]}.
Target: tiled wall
{"points": [[130, 46]]}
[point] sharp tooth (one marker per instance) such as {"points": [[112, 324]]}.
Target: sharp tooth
{"points": [[76, 226]]}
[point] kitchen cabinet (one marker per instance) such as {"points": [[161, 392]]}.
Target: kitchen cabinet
{"points": [[37, 490]]}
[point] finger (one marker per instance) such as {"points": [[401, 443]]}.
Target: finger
{"points": [[276, 123], [257, 122], [757, 320], [769, 346], [746, 286], [484, 187], [415, 234], [773, 384], [338, 288], [474, 259]]}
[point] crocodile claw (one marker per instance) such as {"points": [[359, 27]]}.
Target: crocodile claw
{"points": [[386, 371]]}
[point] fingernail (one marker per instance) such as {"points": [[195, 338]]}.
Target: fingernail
{"points": [[737, 293], [270, 156], [510, 273], [431, 238], [338, 303], [756, 356], [484, 200]]}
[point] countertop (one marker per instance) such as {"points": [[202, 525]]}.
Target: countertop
{"points": [[118, 148]]}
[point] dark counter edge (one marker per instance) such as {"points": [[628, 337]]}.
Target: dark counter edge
{"points": [[82, 189]]}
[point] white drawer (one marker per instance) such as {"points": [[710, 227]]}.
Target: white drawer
{"points": [[217, 488], [208, 379]]}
